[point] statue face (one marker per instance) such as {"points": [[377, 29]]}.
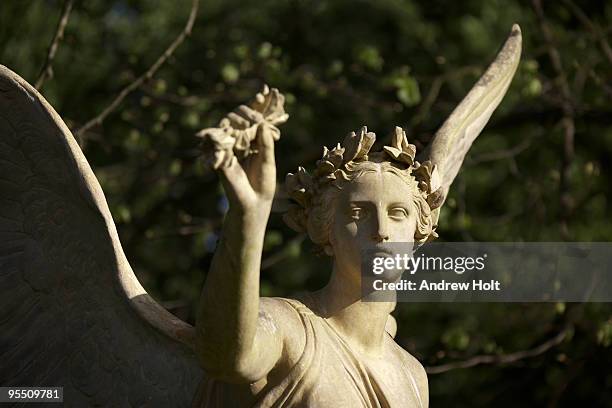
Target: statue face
{"points": [[374, 209]]}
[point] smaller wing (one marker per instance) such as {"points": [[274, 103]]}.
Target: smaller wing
{"points": [[453, 140]]}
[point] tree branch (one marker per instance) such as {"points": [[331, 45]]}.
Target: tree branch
{"points": [[277, 257], [600, 82], [500, 154], [567, 121], [502, 358], [147, 75], [592, 28], [47, 69], [435, 88]]}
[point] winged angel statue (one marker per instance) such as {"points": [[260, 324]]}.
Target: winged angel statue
{"points": [[73, 314]]}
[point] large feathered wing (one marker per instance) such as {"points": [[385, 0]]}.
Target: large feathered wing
{"points": [[453, 140], [72, 313]]}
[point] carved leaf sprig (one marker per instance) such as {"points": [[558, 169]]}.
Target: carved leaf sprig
{"points": [[241, 125], [218, 146], [300, 188], [430, 182], [357, 146], [330, 164], [400, 149], [427, 175]]}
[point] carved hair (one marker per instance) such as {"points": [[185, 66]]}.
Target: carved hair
{"points": [[315, 195]]}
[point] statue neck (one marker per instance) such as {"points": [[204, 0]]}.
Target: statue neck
{"points": [[360, 323]]}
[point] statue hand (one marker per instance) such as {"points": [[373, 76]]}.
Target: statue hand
{"points": [[251, 185], [248, 135]]}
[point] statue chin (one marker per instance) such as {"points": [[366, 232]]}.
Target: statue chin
{"points": [[387, 261], [390, 275], [383, 267]]}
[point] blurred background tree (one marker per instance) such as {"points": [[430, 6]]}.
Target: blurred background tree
{"points": [[540, 171]]}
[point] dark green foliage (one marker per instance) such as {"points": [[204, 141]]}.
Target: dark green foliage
{"points": [[344, 64]]}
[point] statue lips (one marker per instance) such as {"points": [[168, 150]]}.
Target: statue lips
{"points": [[379, 250], [389, 250]]}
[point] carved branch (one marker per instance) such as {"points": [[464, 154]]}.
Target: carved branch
{"points": [[47, 69], [502, 358], [146, 76]]}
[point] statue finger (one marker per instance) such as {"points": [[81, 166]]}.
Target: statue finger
{"points": [[278, 118], [237, 121], [265, 141], [274, 101], [217, 159], [274, 131], [250, 114], [228, 159], [278, 102], [236, 182], [281, 98]]}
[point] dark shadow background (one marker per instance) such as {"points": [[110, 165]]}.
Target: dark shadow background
{"points": [[540, 171]]}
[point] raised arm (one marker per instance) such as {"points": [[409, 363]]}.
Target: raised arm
{"points": [[235, 340]]}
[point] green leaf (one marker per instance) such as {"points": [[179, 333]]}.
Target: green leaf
{"points": [[369, 56], [230, 73]]}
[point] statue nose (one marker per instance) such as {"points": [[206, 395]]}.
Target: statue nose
{"points": [[380, 234]]}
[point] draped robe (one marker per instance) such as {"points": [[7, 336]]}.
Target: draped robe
{"points": [[329, 373]]}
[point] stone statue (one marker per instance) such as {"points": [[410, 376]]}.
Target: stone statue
{"points": [[73, 314]]}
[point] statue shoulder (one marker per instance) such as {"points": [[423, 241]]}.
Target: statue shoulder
{"points": [[283, 314]]}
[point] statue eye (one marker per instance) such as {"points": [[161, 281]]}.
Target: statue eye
{"points": [[398, 212], [357, 213]]}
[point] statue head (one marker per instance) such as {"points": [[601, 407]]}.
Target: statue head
{"points": [[356, 200]]}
